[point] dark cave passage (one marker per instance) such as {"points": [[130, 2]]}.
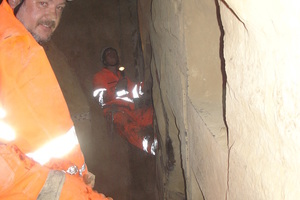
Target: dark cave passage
{"points": [[122, 171]]}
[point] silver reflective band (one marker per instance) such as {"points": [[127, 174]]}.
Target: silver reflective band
{"points": [[74, 170], [121, 93], [56, 148], [53, 185], [140, 89], [82, 169], [7, 133], [145, 144], [100, 92], [154, 146], [135, 92]]}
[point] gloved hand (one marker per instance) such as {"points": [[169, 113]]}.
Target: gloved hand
{"points": [[89, 179]]}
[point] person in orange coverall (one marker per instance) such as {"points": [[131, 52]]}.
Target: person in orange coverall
{"points": [[40, 156], [118, 96]]}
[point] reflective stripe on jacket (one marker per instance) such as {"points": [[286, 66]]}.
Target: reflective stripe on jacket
{"points": [[33, 111], [23, 178], [105, 83], [31, 97]]}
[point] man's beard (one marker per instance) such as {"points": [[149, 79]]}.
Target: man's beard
{"points": [[50, 24], [39, 39]]}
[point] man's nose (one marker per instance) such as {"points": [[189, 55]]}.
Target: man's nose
{"points": [[52, 13]]}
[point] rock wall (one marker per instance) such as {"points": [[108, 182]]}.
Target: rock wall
{"points": [[261, 48], [186, 67], [241, 142], [235, 142]]}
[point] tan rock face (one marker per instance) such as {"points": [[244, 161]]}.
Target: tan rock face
{"points": [[244, 145], [261, 48], [187, 93], [261, 52]]}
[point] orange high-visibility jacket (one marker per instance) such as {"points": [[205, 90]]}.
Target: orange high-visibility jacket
{"points": [[130, 123], [105, 83], [29, 93], [34, 117]]}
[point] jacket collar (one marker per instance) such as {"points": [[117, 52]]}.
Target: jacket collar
{"points": [[6, 6]]}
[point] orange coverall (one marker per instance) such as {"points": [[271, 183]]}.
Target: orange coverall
{"points": [[38, 142], [136, 125]]}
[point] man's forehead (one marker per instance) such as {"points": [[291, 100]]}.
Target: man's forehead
{"points": [[111, 53], [56, 1]]}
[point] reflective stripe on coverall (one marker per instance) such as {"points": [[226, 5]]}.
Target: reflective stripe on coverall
{"points": [[106, 81], [36, 113], [23, 178], [131, 123]]}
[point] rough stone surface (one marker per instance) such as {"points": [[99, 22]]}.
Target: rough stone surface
{"points": [[262, 55], [187, 93], [244, 146]]}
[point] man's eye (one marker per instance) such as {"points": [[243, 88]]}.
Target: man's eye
{"points": [[60, 8], [44, 4]]}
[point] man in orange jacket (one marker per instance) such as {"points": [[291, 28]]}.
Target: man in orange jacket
{"points": [[117, 96], [40, 156]]}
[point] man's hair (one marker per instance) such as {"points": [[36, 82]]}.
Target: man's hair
{"points": [[20, 4], [18, 7]]}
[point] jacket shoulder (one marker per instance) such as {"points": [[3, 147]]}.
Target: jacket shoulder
{"points": [[9, 25]]}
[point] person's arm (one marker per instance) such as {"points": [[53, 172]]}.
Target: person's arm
{"points": [[35, 106], [111, 92]]}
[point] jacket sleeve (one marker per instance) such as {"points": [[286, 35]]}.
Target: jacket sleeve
{"points": [[32, 98]]}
